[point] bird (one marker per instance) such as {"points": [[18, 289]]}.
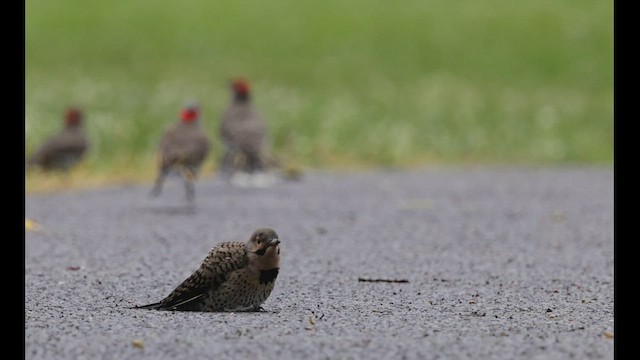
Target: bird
{"points": [[244, 136], [66, 149], [183, 148], [235, 276]]}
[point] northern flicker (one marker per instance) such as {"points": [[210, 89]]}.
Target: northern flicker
{"points": [[235, 276], [183, 148], [243, 132], [65, 149]]}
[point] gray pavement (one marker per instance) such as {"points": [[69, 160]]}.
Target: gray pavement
{"points": [[501, 263]]}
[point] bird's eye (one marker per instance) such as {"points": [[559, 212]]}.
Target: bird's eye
{"points": [[258, 241]]}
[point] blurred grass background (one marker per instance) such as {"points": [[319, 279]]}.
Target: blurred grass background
{"points": [[342, 83]]}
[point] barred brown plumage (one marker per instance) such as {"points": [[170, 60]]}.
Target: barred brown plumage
{"points": [[233, 277]]}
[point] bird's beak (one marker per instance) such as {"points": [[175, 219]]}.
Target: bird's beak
{"points": [[274, 242]]}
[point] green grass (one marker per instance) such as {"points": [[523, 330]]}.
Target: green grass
{"points": [[341, 82]]}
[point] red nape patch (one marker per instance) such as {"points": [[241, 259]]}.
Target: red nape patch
{"points": [[73, 116], [188, 115], [240, 86]]}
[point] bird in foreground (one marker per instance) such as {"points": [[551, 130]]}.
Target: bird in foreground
{"points": [[183, 148], [244, 135], [65, 149], [235, 276]]}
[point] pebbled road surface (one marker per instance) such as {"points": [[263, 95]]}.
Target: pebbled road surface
{"points": [[501, 263]]}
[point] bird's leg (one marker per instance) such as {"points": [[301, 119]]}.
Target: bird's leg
{"points": [[189, 186], [253, 162], [225, 164], [157, 187], [190, 190]]}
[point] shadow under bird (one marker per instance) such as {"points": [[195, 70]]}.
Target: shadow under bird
{"points": [[65, 149], [235, 276], [183, 148], [244, 135]]}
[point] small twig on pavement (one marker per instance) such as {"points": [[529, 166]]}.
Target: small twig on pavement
{"points": [[384, 280]]}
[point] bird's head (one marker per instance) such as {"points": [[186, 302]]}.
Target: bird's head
{"points": [[240, 88], [264, 249], [190, 112], [73, 117]]}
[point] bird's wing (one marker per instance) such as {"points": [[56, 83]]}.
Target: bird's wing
{"points": [[252, 136], [238, 119], [226, 125], [170, 148], [65, 142], [181, 145], [222, 259], [199, 147]]}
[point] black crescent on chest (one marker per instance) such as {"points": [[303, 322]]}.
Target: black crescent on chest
{"points": [[267, 276]]}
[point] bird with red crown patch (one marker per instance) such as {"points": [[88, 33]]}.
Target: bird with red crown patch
{"points": [[65, 149], [183, 149], [247, 159]]}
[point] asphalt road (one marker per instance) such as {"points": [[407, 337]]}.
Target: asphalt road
{"points": [[499, 263]]}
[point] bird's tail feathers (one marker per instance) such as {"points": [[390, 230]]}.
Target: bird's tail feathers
{"points": [[152, 306]]}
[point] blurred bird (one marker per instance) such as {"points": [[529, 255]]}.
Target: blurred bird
{"points": [[65, 149], [235, 276], [244, 135], [183, 148]]}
